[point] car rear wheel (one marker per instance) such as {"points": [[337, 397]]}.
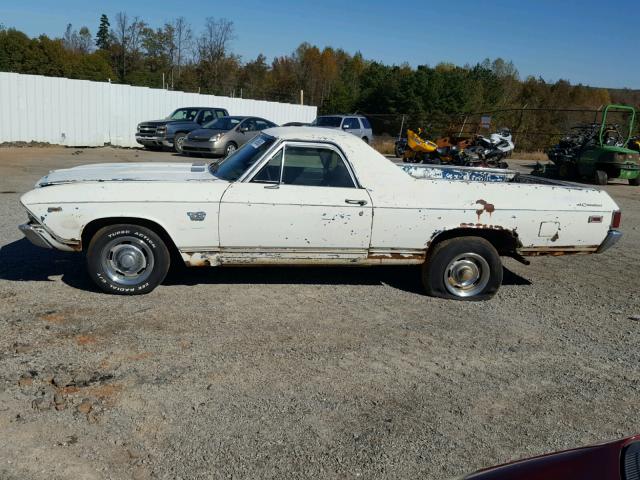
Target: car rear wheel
{"points": [[127, 259], [178, 142], [230, 148], [365, 140], [634, 181], [464, 268]]}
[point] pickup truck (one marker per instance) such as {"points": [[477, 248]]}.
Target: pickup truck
{"points": [[311, 196], [171, 131]]}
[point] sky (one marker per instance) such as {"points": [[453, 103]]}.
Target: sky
{"points": [[590, 42]]}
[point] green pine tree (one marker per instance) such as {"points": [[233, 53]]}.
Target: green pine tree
{"points": [[102, 37]]}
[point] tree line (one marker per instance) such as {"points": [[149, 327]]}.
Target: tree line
{"points": [[127, 50]]}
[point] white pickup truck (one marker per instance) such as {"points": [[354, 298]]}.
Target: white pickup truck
{"points": [[314, 197]]}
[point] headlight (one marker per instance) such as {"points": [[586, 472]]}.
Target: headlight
{"points": [[216, 137], [138, 128]]}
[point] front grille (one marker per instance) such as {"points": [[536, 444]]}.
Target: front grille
{"points": [[199, 139], [147, 130], [196, 149]]}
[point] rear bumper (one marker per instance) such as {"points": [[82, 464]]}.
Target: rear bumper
{"points": [[611, 239]]}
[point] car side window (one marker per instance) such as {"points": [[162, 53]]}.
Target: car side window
{"points": [[315, 167], [207, 116], [262, 124], [270, 173], [365, 123], [351, 123], [220, 113], [250, 124]]}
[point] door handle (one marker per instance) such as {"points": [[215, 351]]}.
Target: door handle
{"points": [[356, 202]]}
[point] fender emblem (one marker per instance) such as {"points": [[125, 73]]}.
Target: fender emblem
{"points": [[196, 216]]}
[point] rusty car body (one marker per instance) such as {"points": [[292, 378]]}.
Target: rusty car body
{"points": [[311, 196]]}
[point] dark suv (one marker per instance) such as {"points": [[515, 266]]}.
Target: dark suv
{"points": [[172, 131]]}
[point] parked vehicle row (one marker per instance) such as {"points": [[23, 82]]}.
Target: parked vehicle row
{"points": [[171, 131], [211, 131]]}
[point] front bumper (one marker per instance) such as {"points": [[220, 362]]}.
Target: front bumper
{"points": [[40, 237], [154, 141], [212, 148], [36, 235], [611, 239]]}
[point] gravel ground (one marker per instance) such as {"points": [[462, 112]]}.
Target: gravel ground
{"points": [[303, 373]]}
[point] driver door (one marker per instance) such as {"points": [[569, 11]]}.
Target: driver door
{"points": [[303, 205]]}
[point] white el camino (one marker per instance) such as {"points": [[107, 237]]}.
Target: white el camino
{"points": [[311, 196]]}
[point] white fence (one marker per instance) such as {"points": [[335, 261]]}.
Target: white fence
{"points": [[78, 113]]}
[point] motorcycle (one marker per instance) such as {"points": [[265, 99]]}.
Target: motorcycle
{"points": [[492, 150]]}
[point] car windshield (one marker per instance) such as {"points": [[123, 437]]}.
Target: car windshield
{"points": [[188, 114], [224, 123], [234, 166], [327, 121]]}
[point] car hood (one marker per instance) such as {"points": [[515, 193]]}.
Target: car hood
{"points": [[121, 172], [206, 132]]}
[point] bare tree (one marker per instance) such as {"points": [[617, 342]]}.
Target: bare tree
{"points": [[128, 35], [78, 42], [85, 41], [212, 50], [135, 31], [121, 35], [182, 42]]}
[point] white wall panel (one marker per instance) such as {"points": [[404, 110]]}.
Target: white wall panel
{"points": [[83, 113]]}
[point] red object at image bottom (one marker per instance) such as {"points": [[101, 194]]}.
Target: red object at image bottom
{"points": [[619, 460]]}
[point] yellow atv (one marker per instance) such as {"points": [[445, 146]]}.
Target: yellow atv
{"points": [[418, 149]]}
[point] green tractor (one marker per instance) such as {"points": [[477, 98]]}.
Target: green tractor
{"points": [[598, 151]]}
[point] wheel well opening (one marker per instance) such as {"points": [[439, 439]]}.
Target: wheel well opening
{"points": [[506, 242], [92, 227]]}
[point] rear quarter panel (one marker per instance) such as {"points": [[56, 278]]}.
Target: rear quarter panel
{"points": [[543, 217]]}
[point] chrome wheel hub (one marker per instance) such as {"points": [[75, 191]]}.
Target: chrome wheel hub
{"points": [[127, 260], [467, 275]]}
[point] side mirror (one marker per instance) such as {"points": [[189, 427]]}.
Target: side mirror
{"points": [[244, 129], [345, 126]]}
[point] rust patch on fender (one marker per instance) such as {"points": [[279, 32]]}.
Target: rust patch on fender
{"points": [[486, 207]]}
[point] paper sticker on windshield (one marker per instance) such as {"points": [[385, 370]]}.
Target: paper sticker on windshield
{"points": [[257, 142]]}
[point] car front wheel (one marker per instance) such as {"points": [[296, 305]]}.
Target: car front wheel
{"points": [[229, 149], [127, 259], [463, 268], [178, 142]]}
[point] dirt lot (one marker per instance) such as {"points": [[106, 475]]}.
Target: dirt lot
{"points": [[303, 373]]}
